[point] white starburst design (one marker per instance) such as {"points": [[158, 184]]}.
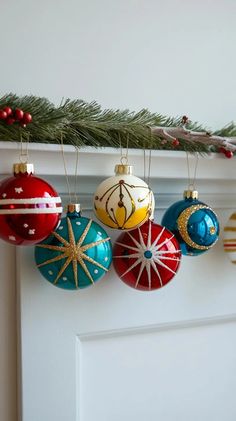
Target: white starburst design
{"points": [[149, 255], [18, 190]]}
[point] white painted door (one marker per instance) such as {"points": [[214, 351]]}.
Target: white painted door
{"points": [[110, 353]]}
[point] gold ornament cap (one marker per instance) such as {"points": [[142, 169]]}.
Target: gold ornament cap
{"points": [[123, 169], [190, 194], [23, 168], [73, 207]]}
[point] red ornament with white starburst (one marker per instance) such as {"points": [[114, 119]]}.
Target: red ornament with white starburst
{"points": [[29, 207], [147, 257]]}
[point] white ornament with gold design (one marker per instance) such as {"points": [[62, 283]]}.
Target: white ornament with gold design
{"points": [[123, 201]]}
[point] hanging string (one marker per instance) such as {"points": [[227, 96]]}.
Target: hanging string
{"points": [[76, 175], [65, 170], [149, 159], [75, 195], [144, 164], [121, 150], [191, 183], [147, 178], [149, 167], [144, 160], [24, 149], [124, 157]]}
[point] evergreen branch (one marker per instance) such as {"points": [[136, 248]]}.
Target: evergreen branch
{"points": [[86, 124]]}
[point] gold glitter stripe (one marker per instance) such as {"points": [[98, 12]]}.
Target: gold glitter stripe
{"points": [[230, 240], [85, 232], [54, 259], [84, 267], [75, 270], [233, 216], [89, 259], [95, 243], [71, 233], [230, 229], [62, 270], [230, 250]]}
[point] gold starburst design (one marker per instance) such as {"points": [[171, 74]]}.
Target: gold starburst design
{"points": [[73, 252]]}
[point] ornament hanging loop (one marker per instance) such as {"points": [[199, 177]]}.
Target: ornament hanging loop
{"points": [[24, 152], [147, 177], [24, 158], [191, 181], [75, 201], [124, 159]]}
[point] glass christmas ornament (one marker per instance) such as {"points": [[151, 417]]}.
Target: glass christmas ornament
{"points": [[77, 254], [123, 201], [194, 224], [230, 238], [146, 258], [29, 207]]}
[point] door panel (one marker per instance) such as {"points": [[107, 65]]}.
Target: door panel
{"points": [[168, 374]]}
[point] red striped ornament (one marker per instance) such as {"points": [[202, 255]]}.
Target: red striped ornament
{"points": [[230, 238], [30, 208]]}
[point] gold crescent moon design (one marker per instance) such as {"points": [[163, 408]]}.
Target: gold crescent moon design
{"points": [[182, 223]]}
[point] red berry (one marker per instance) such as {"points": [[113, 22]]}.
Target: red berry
{"points": [[229, 154], [175, 142], [10, 121], [18, 114], [8, 110], [27, 118], [222, 150], [3, 115]]}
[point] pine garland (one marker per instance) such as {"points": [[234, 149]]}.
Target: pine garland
{"points": [[86, 124]]}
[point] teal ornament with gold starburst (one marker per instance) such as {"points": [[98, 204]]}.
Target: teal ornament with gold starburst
{"points": [[77, 254]]}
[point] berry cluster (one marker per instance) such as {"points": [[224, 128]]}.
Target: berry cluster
{"points": [[184, 119], [175, 143], [226, 152], [15, 116]]}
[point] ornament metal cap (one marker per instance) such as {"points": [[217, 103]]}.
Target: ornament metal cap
{"points": [[73, 207], [23, 168], [123, 169], [190, 194]]}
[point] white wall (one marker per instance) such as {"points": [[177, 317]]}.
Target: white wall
{"points": [[174, 56]]}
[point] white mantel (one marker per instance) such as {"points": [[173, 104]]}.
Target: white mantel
{"points": [[216, 175]]}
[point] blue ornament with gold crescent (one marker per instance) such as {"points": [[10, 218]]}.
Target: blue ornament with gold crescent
{"points": [[77, 254], [194, 224]]}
